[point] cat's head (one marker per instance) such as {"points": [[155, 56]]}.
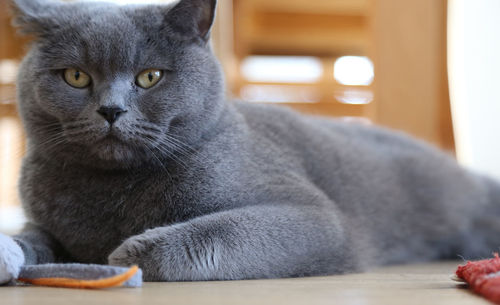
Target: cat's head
{"points": [[114, 86]]}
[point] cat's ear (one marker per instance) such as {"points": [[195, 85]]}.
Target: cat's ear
{"points": [[193, 18], [33, 16]]}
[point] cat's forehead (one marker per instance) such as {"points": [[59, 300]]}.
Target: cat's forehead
{"points": [[103, 36]]}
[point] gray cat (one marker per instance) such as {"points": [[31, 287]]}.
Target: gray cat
{"points": [[135, 157]]}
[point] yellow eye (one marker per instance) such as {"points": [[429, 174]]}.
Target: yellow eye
{"points": [[76, 78], [148, 78]]}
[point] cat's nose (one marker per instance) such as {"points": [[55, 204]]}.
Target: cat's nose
{"points": [[111, 114]]}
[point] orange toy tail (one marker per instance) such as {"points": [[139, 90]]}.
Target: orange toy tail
{"points": [[109, 282]]}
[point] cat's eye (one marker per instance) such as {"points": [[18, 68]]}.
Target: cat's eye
{"points": [[76, 78], [148, 78]]}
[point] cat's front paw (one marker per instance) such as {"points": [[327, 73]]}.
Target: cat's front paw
{"points": [[131, 252], [168, 254], [158, 252], [11, 259]]}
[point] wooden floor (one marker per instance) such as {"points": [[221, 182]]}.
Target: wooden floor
{"points": [[415, 284]]}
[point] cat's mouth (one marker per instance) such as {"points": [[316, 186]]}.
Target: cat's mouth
{"points": [[111, 140], [113, 143], [114, 136], [112, 147]]}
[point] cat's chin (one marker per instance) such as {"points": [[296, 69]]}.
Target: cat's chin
{"points": [[113, 149]]}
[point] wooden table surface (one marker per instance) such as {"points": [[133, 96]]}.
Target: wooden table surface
{"points": [[412, 284]]}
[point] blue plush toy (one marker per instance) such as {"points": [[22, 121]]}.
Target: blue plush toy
{"points": [[12, 268]]}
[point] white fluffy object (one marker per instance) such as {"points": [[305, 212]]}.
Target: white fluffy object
{"points": [[11, 259]]}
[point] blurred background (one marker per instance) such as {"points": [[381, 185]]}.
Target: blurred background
{"points": [[390, 62]]}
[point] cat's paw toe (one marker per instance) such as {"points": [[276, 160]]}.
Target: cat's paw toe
{"points": [[11, 259], [128, 253]]}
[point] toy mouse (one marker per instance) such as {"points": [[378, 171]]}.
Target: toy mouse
{"points": [[62, 275]]}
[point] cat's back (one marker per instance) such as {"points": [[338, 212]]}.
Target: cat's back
{"points": [[316, 134], [349, 160]]}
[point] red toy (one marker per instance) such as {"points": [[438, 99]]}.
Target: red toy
{"points": [[483, 277]]}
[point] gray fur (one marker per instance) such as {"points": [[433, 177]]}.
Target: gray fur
{"points": [[194, 187]]}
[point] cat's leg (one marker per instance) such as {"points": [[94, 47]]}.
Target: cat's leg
{"points": [[32, 246], [251, 242], [39, 247]]}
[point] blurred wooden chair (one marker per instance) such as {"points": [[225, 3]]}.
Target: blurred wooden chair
{"points": [[11, 134], [406, 40], [325, 29]]}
